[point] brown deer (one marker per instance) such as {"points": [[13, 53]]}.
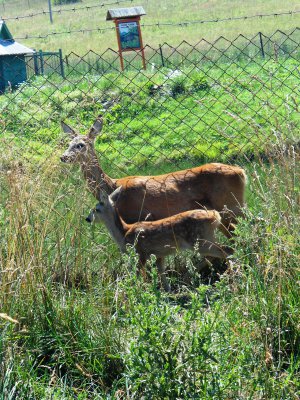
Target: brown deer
{"points": [[162, 237], [210, 186]]}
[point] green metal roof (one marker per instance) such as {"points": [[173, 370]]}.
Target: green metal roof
{"points": [[4, 32], [8, 46]]}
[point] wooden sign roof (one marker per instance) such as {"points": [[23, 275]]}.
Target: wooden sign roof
{"points": [[130, 12]]}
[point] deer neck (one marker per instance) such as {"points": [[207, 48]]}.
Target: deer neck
{"points": [[123, 225], [115, 228], [96, 178]]}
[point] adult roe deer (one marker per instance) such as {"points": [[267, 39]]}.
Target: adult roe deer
{"points": [[162, 237], [210, 186]]}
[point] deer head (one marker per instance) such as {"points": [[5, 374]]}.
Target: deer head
{"points": [[81, 147], [105, 209], [105, 212]]}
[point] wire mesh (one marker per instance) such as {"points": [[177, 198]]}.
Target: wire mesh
{"points": [[223, 101]]}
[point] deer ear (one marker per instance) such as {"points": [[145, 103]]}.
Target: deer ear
{"points": [[116, 194], [68, 130], [96, 128], [103, 197]]}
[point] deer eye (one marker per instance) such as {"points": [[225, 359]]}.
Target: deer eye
{"points": [[99, 205], [79, 145]]}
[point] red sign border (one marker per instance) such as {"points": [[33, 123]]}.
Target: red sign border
{"points": [[138, 49]]}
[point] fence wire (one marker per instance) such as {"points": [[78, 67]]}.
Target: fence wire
{"points": [[222, 101], [171, 25]]}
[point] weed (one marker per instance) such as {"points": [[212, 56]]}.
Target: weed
{"points": [[178, 86]]}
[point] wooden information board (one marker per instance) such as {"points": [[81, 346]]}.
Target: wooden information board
{"points": [[129, 35]]}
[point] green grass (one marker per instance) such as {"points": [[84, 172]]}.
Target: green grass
{"points": [[157, 11], [221, 112]]}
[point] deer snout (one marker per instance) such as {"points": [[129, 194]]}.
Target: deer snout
{"points": [[64, 158], [88, 219]]}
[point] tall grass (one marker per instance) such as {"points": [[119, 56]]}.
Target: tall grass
{"points": [[48, 265], [77, 323]]}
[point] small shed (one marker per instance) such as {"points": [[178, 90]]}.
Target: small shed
{"points": [[12, 59]]}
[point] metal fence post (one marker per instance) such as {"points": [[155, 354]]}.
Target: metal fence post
{"points": [[161, 55], [35, 63], [261, 45], [61, 63], [50, 11], [41, 61]]}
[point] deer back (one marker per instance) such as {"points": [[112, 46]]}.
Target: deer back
{"points": [[179, 232]]}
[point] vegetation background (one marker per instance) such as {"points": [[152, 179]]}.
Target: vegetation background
{"points": [[157, 11]]}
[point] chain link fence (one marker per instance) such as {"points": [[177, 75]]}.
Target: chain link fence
{"points": [[225, 101]]}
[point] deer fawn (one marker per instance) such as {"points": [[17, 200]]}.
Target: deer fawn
{"points": [[213, 186], [162, 237]]}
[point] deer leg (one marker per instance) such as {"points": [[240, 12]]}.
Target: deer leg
{"points": [[214, 255], [141, 268], [214, 250], [227, 226], [229, 221], [227, 230], [205, 263], [162, 274]]}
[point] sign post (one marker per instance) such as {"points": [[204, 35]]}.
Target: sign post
{"points": [[129, 35]]}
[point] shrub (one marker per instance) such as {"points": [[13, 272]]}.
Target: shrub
{"points": [[178, 86]]}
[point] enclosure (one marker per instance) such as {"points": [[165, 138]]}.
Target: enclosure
{"points": [[76, 322]]}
